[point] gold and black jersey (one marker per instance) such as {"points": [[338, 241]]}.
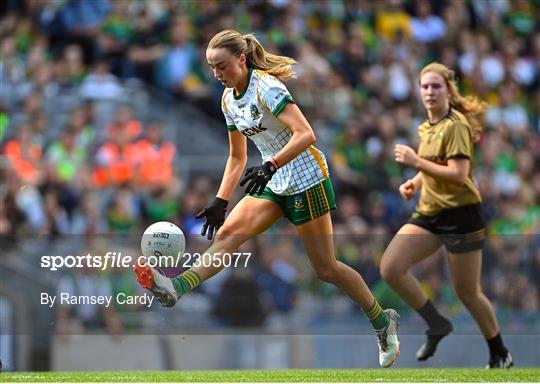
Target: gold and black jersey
{"points": [[448, 139]]}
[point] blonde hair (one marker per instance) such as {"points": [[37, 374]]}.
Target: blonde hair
{"points": [[257, 57], [471, 106]]}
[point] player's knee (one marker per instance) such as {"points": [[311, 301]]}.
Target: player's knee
{"points": [[327, 273], [227, 237], [390, 272], [225, 231], [233, 230]]}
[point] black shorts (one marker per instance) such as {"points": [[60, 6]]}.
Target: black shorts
{"points": [[460, 229]]}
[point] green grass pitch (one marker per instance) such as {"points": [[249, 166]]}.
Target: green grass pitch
{"points": [[326, 375]]}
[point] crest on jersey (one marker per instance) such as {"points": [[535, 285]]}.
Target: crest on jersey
{"points": [[255, 113]]}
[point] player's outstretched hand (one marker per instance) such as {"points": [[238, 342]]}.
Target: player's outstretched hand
{"points": [[258, 176], [215, 216]]}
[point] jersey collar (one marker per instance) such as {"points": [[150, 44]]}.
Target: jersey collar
{"points": [[441, 119], [247, 86]]}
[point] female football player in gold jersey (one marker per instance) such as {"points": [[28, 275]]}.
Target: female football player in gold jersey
{"points": [[448, 212]]}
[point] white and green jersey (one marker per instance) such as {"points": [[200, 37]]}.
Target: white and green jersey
{"points": [[254, 113]]}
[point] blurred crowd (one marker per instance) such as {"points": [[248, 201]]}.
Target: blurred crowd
{"points": [[80, 157]]}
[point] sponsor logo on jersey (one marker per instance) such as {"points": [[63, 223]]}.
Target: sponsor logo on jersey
{"points": [[253, 130]]}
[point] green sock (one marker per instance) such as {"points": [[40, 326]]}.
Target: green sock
{"points": [[376, 316], [187, 281]]}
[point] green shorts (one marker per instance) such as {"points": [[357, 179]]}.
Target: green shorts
{"points": [[304, 206]]}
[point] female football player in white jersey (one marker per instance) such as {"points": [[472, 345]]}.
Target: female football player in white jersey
{"points": [[292, 181]]}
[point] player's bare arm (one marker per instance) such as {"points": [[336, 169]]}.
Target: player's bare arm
{"points": [[302, 137], [456, 171], [235, 165]]}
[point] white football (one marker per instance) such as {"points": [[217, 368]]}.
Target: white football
{"points": [[163, 239]]}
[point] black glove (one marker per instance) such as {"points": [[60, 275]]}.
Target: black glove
{"points": [[259, 176], [215, 216]]}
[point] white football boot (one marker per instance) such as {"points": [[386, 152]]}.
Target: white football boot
{"points": [[161, 286], [388, 340]]}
